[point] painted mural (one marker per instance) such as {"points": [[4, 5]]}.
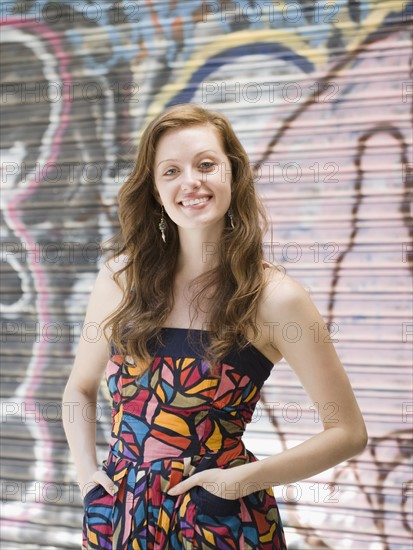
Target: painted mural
{"points": [[321, 95]]}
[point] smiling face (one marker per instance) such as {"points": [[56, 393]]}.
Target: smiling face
{"points": [[191, 164]]}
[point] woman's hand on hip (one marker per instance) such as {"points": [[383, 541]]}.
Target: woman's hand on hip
{"points": [[99, 477], [225, 483]]}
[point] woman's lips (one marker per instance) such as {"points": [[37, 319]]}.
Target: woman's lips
{"points": [[197, 205]]}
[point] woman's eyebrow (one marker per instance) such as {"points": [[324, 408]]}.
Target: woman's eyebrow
{"points": [[206, 151], [196, 155], [166, 160]]}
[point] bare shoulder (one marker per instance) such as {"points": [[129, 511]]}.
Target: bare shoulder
{"points": [[92, 354], [282, 295]]}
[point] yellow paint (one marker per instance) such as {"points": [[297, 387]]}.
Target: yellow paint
{"points": [[289, 38], [119, 475], [117, 419], [201, 387], [269, 536], [209, 537], [215, 439], [186, 362], [164, 520], [137, 369], [173, 422], [160, 393]]}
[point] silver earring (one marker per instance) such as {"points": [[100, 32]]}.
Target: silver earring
{"points": [[162, 225], [231, 217]]}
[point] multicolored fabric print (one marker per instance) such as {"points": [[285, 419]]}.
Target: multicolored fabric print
{"points": [[177, 421]]}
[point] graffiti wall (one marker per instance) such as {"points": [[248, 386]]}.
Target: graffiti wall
{"points": [[320, 94]]}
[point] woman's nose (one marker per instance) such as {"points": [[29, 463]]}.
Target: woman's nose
{"points": [[190, 178]]}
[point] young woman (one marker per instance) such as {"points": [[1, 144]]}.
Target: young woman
{"points": [[195, 319]]}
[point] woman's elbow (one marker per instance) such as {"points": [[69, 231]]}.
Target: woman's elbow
{"points": [[354, 440], [360, 439]]}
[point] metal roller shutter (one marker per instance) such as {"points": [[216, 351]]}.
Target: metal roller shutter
{"points": [[320, 94]]}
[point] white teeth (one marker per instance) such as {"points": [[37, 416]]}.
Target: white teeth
{"points": [[195, 201]]}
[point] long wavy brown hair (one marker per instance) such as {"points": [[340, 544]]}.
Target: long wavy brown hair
{"points": [[236, 281]]}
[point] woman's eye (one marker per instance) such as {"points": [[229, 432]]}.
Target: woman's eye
{"points": [[207, 165], [170, 172]]}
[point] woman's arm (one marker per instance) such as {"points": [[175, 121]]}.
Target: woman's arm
{"points": [[80, 394], [297, 330]]}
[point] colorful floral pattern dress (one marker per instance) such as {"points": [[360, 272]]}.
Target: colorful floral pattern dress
{"points": [[178, 421]]}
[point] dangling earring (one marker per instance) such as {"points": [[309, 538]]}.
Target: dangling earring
{"points": [[162, 225], [231, 217]]}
